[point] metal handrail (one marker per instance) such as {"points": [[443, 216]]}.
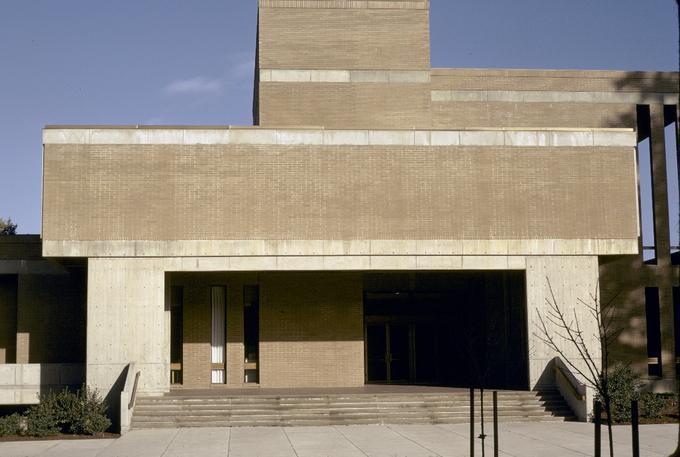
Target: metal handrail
{"points": [[133, 397], [570, 383]]}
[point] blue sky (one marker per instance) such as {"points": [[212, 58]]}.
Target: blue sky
{"points": [[180, 62]]}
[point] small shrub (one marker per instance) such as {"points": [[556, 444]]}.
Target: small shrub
{"points": [[624, 386], [87, 413], [79, 413], [41, 420], [10, 425], [653, 405]]}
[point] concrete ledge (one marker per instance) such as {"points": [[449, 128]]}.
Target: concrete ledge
{"points": [[272, 249], [36, 267], [539, 96], [347, 4], [346, 76], [321, 137], [22, 384]]}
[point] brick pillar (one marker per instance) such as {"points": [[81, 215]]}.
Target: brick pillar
{"points": [[197, 333], [235, 348]]}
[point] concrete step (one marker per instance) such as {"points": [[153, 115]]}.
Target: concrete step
{"points": [[394, 404], [177, 410], [317, 422]]}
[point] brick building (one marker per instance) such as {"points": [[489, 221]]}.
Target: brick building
{"points": [[382, 222]]}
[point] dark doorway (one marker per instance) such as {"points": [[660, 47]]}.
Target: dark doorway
{"points": [[389, 356], [456, 329]]}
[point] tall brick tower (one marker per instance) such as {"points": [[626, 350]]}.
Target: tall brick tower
{"points": [[343, 64]]}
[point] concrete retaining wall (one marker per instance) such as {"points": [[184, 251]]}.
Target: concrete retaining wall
{"points": [[21, 384]]}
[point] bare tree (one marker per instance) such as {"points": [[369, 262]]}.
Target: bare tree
{"points": [[7, 227], [558, 326]]}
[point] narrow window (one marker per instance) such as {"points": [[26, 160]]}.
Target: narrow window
{"points": [[653, 331], [251, 332], [176, 333], [218, 295], [673, 179], [647, 224]]}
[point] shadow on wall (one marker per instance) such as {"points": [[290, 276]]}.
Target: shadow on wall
{"points": [[59, 376], [112, 400]]}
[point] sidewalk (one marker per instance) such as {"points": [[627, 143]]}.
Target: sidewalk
{"points": [[517, 439]]}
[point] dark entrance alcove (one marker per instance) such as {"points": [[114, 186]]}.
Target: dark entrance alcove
{"points": [[457, 329]]}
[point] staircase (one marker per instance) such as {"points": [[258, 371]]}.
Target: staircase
{"points": [[220, 409]]}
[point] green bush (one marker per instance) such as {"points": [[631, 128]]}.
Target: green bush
{"points": [[86, 413], [10, 425], [653, 405], [79, 413], [41, 420], [624, 386]]}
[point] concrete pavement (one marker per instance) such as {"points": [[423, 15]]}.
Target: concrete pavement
{"points": [[516, 439]]}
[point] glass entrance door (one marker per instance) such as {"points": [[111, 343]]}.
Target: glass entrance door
{"points": [[388, 352], [376, 353], [399, 353]]}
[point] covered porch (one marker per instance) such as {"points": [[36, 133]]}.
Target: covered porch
{"points": [[348, 329]]}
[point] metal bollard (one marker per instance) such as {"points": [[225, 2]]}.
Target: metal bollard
{"points": [[482, 435], [495, 424], [634, 418], [472, 422], [598, 430]]}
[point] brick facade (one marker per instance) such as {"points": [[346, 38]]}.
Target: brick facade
{"points": [[278, 192], [443, 169], [311, 328]]}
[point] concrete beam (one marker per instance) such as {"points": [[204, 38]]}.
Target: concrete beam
{"points": [[318, 137], [271, 250]]}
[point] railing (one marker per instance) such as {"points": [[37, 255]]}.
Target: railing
{"points": [[569, 383], [133, 397], [575, 392], [128, 397]]}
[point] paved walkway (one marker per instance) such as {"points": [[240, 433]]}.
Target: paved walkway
{"points": [[520, 439]]}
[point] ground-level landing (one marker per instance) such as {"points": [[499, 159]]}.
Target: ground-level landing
{"points": [[450, 440]]}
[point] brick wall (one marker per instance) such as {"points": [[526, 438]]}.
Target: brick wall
{"points": [[453, 115], [345, 105], [24, 247], [553, 80], [8, 318], [196, 364], [311, 328], [365, 39], [51, 318], [198, 326], [240, 192], [344, 37]]}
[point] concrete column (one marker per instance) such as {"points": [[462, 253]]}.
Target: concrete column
{"points": [[572, 278], [126, 323], [662, 238]]}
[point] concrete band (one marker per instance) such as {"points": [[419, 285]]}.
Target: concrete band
{"points": [[355, 254], [509, 138], [347, 4], [538, 96], [346, 76]]}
